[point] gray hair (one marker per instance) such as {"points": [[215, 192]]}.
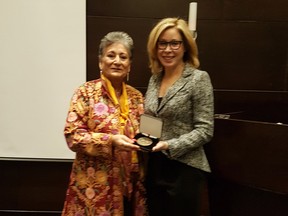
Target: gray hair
{"points": [[116, 37]]}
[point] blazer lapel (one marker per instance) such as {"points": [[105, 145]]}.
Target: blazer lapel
{"points": [[171, 92], [177, 86]]}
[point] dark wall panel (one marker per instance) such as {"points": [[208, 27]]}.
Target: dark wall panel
{"points": [[138, 8], [245, 55], [231, 199], [253, 105], [257, 157], [33, 186], [275, 10], [266, 10], [249, 168]]}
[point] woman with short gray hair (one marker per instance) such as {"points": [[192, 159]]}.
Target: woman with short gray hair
{"points": [[103, 118]]}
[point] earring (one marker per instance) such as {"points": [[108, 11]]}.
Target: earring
{"points": [[127, 77]]}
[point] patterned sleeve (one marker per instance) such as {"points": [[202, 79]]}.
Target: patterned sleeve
{"points": [[78, 136]]}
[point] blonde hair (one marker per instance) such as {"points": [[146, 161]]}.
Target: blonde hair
{"points": [[191, 53]]}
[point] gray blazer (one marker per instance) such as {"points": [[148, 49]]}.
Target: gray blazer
{"points": [[187, 111]]}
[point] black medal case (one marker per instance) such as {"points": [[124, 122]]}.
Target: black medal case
{"points": [[150, 132]]}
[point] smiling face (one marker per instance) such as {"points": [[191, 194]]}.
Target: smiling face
{"points": [[115, 62], [170, 58]]}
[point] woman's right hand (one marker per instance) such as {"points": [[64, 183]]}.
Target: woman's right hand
{"points": [[124, 143]]}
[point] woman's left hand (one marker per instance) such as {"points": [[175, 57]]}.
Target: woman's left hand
{"points": [[161, 145]]}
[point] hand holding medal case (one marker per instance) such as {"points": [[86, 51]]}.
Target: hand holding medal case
{"points": [[150, 132]]}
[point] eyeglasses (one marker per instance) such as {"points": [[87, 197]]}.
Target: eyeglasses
{"points": [[174, 45]]}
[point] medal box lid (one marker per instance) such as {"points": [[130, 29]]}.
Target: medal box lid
{"points": [[151, 125]]}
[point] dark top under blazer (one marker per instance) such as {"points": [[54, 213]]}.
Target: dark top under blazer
{"points": [[187, 111]]}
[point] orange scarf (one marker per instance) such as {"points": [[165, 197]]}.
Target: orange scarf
{"points": [[124, 108], [122, 102]]}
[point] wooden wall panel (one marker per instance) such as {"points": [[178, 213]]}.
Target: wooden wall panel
{"points": [[260, 106], [33, 186], [232, 199], [245, 55], [138, 8], [249, 168], [257, 157], [267, 10]]}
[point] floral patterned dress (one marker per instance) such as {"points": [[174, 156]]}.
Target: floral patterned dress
{"points": [[102, 174]]}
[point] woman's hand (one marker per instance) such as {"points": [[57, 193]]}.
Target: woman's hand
{"points": [[124, 143], [161, 145]]}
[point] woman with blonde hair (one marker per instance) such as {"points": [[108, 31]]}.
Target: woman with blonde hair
{"points": [[182, 96]]}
